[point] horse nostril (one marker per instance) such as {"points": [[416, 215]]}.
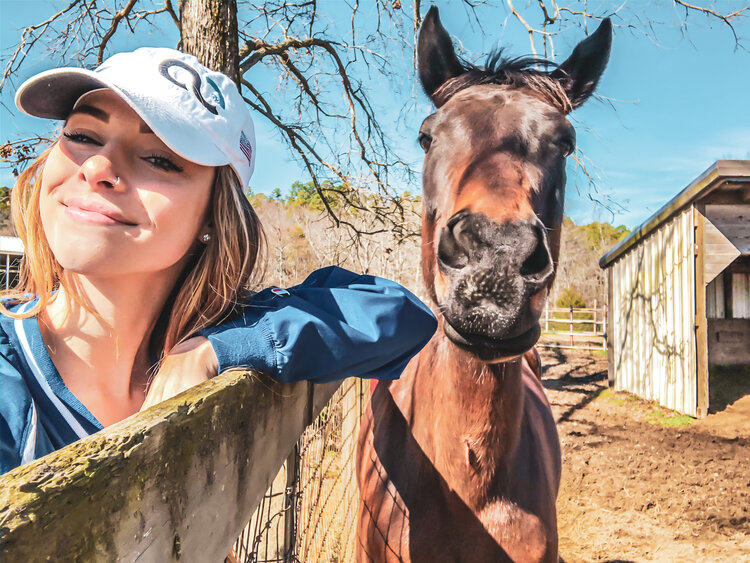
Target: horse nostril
{"points": [[537, 265], [454, 245]]}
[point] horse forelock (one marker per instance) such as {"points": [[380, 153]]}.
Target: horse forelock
{"points": [[512, 73]]}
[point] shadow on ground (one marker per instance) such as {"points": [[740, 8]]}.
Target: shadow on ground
{"points": [[573, 373], [634, 489]]}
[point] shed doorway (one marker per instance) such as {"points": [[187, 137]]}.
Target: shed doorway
{"points": [[728, 306]]}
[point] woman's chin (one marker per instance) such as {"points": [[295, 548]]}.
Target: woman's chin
{"points": [[82, 256]]}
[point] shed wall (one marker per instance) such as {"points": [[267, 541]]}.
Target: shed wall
{"points": [[653, 323]]}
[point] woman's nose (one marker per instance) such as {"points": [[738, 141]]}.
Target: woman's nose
{"points": [[99, 173]]}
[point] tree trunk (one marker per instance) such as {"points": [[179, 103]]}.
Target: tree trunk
{"points": [[208, 30]]}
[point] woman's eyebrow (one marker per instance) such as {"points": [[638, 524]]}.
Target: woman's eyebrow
{"points": [[90, 110], [102, 116]]}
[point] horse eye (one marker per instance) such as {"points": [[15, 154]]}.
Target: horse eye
{"points": [[424, 141], [566, 147]]}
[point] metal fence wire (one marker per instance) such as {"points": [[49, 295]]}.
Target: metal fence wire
{"points": [[309, 512]]}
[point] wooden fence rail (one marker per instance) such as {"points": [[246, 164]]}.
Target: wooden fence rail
{"points": [[178, 481], [574, 337]]}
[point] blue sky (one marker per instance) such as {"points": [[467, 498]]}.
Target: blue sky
{"points": [[677, 102]]}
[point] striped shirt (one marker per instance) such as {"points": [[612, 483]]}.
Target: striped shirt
{"points": [[39, 413]]}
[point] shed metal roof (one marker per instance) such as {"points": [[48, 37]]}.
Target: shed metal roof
{"points": [[11, 245], [718, 174]]}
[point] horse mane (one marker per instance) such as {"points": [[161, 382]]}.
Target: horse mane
{"points": [[514, 73]]}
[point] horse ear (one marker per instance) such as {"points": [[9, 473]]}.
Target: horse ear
{"points": [[437, 58], [581, 72]]}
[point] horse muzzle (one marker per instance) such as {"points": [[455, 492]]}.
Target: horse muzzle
{"points": [[496, 273]]}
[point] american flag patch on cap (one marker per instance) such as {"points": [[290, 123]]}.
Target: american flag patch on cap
{"points": [[246, 147]]}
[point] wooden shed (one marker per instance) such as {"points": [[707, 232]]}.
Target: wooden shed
{"points": [[679, 292]]}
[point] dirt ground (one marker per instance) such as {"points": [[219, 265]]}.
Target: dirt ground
{"points": [[641, 483]]}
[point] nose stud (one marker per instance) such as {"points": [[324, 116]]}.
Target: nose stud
{"points": [[117, 181]]}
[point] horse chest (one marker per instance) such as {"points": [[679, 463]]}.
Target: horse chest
{"points": [[442, 500], [429, 522]]}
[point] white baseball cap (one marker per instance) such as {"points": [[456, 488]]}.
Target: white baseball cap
{"points": [[196, 112]]}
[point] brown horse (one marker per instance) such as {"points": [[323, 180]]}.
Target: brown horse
{"points": [[459, 460]]}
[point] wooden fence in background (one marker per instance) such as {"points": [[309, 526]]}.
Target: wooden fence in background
{"points": [[574, 328]]}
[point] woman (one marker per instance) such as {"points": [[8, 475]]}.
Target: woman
{"points": [[140, 248]]}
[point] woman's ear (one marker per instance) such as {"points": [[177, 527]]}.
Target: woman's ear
{"points": [[437, 57], [581, 72]]}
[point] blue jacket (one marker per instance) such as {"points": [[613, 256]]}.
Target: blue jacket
{"points": [[335, 324]]}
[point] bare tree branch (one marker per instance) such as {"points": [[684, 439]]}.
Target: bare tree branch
{"points": [[726, 18], [112, 28], [170, 9], [531, 31], [257, 50], [28, 40], [17, 154]]}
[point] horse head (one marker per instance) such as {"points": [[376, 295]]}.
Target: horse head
{"points": [[494, 185]]}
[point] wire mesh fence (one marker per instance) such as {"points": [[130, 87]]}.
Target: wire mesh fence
{"points": [[308, 514]]}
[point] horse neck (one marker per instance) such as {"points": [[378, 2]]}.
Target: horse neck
{"points": [[468, 415]]}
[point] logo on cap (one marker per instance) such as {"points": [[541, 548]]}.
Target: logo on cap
{"points": [[278, 292], [195, 86], [246, 147]]}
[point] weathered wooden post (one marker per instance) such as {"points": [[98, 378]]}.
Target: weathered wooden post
{"points": [[571, 326], [290, 504], [352, 414], [605, 336], [595, 315]]}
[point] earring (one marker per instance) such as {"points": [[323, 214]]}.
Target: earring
{"points": [[206, 237]]}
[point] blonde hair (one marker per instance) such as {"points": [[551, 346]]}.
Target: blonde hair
{"points": [[215, 283]]}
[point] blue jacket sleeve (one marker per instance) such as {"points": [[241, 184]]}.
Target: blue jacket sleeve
{"points": [[335, 324]]}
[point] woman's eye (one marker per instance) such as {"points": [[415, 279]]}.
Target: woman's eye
{"points": [[424, 141], [163, 163], [80, 138]]}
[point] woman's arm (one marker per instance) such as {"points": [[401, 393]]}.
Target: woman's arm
{"points": [[335, 324], [189, 363]]}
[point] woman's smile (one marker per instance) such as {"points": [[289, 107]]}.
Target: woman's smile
{"points": [[95, 213]]}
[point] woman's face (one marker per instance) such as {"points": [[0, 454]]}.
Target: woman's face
{"points": [[114, 199]]}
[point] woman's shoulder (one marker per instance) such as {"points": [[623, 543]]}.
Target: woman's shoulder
{"points": [[6, 324], [16, 403], [17, 304], [10, 356], [17, 417]]}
